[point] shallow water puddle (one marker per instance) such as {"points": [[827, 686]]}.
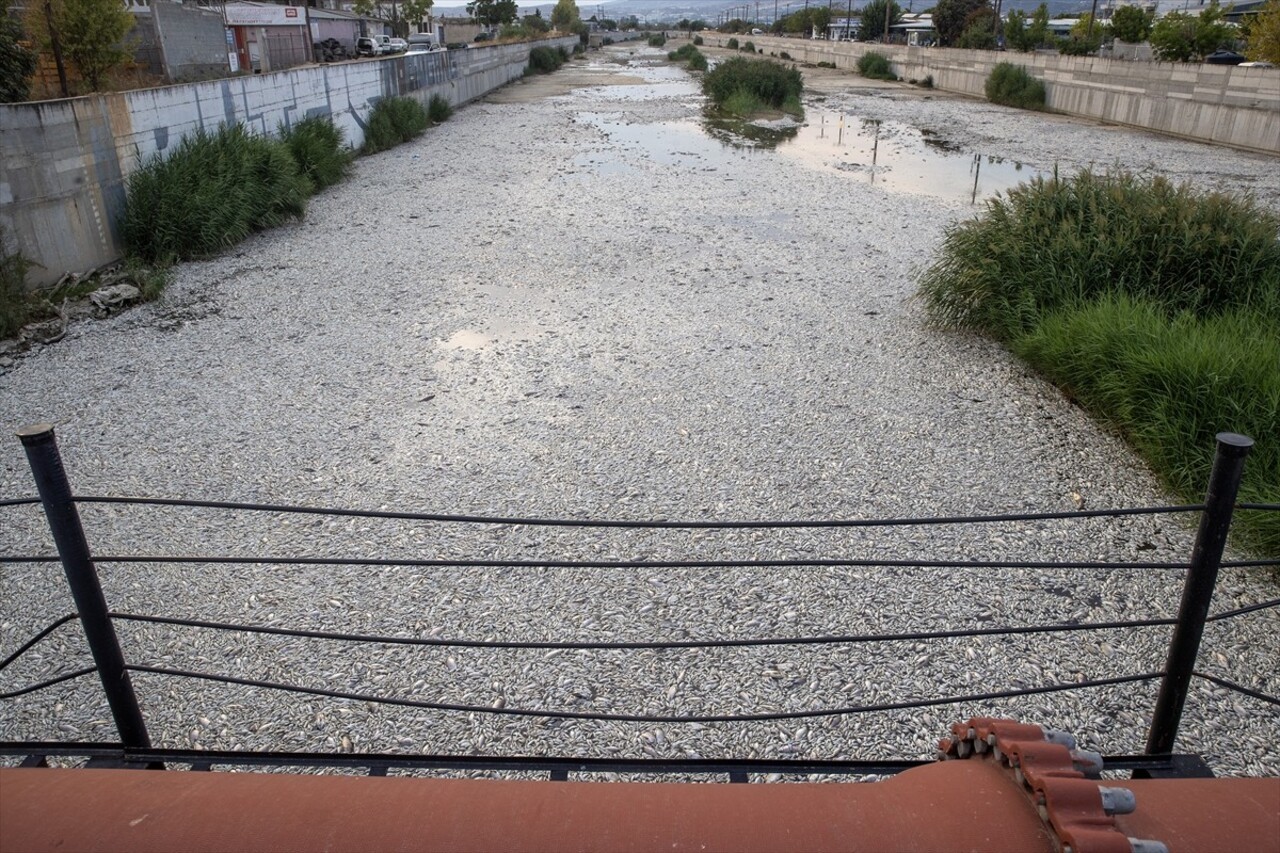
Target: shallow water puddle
{"points": [[900, 157], [891, 155]]}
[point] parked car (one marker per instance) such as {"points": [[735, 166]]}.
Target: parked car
{"points": [[368, 46], [482, 37], [399, 45], [384, 42]]}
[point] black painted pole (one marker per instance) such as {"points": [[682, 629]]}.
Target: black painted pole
{"points": [[1197, 592], [73, 548]]}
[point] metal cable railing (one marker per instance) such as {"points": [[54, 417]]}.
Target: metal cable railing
{"points": [[98, 620]]}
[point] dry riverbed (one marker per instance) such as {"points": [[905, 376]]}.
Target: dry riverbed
{"points": [[572, 300]]}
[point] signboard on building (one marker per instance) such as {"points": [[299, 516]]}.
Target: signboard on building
{"points": [[246, 15]]}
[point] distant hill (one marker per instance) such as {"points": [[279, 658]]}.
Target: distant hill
{"points": [[670, 11]]}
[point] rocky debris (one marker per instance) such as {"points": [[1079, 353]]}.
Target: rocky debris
{"points": [[110, 300]]}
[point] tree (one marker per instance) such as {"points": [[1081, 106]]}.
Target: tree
{"points": [[415, 11], [17, 64], [949, 17], [1131, 24], [564, 15], [493, 13], [1086, 37], [872, 26], [979, 30], [90, 33], [1264, 34], [1039, 33], [535, 23], [1015, 32], [1179, 37]]}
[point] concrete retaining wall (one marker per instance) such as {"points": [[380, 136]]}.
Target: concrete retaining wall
{"points": [[1223, 104], [64, 164]]}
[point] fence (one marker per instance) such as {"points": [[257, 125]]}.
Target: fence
{"points": [[99, 620]]}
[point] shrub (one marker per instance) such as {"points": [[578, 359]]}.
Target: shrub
{"points": [[691, 56], [316, 146], [1172, 384], [393, 121], [1053, 242], [439, 109], [1157, 306], [770, 84], [544, 60], [749, 47], [15, 302], [732, 44], [876, 66], [697, 40], [658, 40], [1012, 86], [784, 55], [211, 192]]}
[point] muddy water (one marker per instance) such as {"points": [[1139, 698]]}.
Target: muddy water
{"points": [[893, 155]]}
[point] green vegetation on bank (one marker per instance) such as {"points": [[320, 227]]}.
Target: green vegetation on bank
{"points": [[211, 192], [744, 86], [544, 60], [693, 58], [1012, 86], [316, 146], [393, 121], [1155, 306], [875, 66]]}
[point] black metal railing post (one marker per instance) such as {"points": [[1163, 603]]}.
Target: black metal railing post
{"points": [[1197, 591], [73, 548]]}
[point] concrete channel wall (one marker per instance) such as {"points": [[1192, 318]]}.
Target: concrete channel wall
{"points": [[1223, 104], [64, 164]]}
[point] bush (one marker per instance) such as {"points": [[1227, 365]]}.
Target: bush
{"points": [[658, 40], [784, 55], [1171, 385], [1157, 306], [15, 302], [769, 84], [876, 66], [211, 192], [439, 109], [749, 47], [393, 121], [316, 146], [691, 56], [544, 60], [732, 44], [1012, 86], [697, 40]]}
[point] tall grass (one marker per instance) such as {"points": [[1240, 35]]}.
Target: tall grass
{"points": [[317, 147], [15, 302], [393, 121], [1054, 242], [692, 57], [439, 109], [1156, 306], [1171, 385], [875, 66], [1013, 86], [211, 192], [739, 78]]}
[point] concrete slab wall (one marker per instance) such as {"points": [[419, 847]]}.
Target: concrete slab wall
{"points": [[1223, 104], [64, 164]]}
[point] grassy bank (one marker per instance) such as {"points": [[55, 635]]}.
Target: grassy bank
{"points": [[1155, 306], [745, 86]]}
